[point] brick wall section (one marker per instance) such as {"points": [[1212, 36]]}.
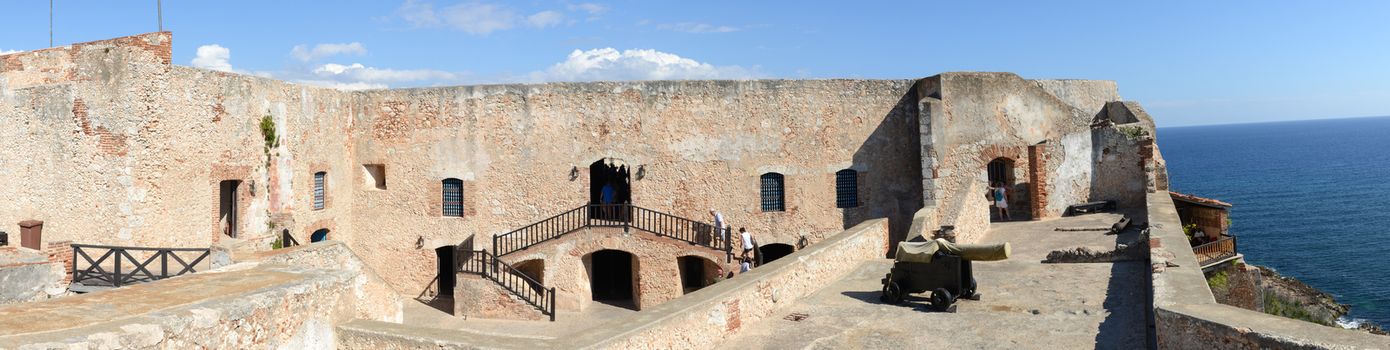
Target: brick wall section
{"points": [[1037, 180], [60, 252], [58, 64]]}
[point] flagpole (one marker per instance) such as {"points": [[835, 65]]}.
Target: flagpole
{"points": [[159, 5]]}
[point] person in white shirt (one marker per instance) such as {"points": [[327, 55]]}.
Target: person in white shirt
{"points": [[747, 242], [745, 265]]}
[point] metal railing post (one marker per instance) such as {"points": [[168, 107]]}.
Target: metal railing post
{"points": [[552, 304], [74, 262], [116, 280]]}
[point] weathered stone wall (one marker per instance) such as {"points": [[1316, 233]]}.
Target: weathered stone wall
{"points": [[969, 119], [701, 320], [701, 145], [120, 147], [289, 298], [656, 270], [1187, 316], [27, 275]]}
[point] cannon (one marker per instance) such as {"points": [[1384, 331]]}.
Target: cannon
{"points": [[938, 266]]}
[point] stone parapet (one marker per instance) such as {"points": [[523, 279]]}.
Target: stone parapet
{"points": [[1187, 316], [699, 320]]}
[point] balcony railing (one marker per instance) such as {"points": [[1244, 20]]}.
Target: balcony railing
{"points": [[1216, 251]]}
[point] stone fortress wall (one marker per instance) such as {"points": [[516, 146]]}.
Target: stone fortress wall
{"points": [[109, 143], [115, 145]]}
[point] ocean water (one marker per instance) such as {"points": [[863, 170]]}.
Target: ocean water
{"points": [[1311, 199]]}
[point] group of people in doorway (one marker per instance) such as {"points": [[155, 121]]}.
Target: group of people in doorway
{"points": [[746, 242]]}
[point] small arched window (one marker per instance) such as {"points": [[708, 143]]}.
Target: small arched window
{"points": [[453, 197], [319, 179], [772, 192], [847, 188]]}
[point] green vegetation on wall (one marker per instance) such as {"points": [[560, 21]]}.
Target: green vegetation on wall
{"points": [[1218, 280], [271, 139]]}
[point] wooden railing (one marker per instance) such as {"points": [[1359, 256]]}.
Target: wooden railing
{"points": [[526, 288], [690, 231], [1215, 251], [126, 268], [626, 216]]}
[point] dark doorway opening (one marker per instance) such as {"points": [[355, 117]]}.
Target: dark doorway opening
{"points": [[446, 279], [1001, 172], [609, 186], [773, 251], [696, 272], [227, 207], [319, 235], [534, 268], [612, 277]]}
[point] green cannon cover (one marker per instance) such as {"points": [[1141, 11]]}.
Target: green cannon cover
{"points": [[922, 251]]}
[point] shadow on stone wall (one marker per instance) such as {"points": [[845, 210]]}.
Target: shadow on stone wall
{"points": [[890, 163]]}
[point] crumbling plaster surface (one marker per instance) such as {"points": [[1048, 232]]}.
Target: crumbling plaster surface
{"points": [[128, 149], [701, 145], [657, 272], [969, 119], [27, 275], [701, 320], [288, 299]]}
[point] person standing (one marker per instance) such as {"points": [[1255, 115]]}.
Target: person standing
{"points": [[1001, 200], [747, 243], [605, 200], [719, 226]]}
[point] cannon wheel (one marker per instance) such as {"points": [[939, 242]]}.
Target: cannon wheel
{"points": [[892, 293], [941, 299], [969, 292]]}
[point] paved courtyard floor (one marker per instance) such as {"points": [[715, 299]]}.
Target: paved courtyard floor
{"points": [[566, 323], [1026, 304]]}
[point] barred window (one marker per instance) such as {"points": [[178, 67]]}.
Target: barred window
{"points": [[772, 193], [318, 189], [453, 197], [846, 188]]}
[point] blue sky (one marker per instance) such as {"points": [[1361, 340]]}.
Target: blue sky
{"points": [[1187, 62]]}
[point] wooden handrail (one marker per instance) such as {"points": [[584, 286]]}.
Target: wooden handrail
{"points": [[139, 271]]}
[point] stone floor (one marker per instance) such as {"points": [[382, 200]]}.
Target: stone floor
{"points": [[1026, 304], [566, 323]]}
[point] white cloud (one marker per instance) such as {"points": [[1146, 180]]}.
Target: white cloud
{"points": [[610, 64], [591, 8], [214, 57], [6, 52], [477, 18], [545, 19], [357, 72], [697, 28], [352, 86], [304, 53]]}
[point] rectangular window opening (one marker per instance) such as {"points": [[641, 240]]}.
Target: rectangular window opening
{"points": [[375, 175], [318, 189]]}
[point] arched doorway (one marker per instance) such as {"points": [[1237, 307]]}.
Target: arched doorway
{"points": [[319, 235], [613, 277], [1000, 171], [696, 272], [773, 251], [609, 185], [534, 268], [446, 277]]}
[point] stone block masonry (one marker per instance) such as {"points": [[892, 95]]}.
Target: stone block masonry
{"points": [[700, 320], [286, 299]]}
